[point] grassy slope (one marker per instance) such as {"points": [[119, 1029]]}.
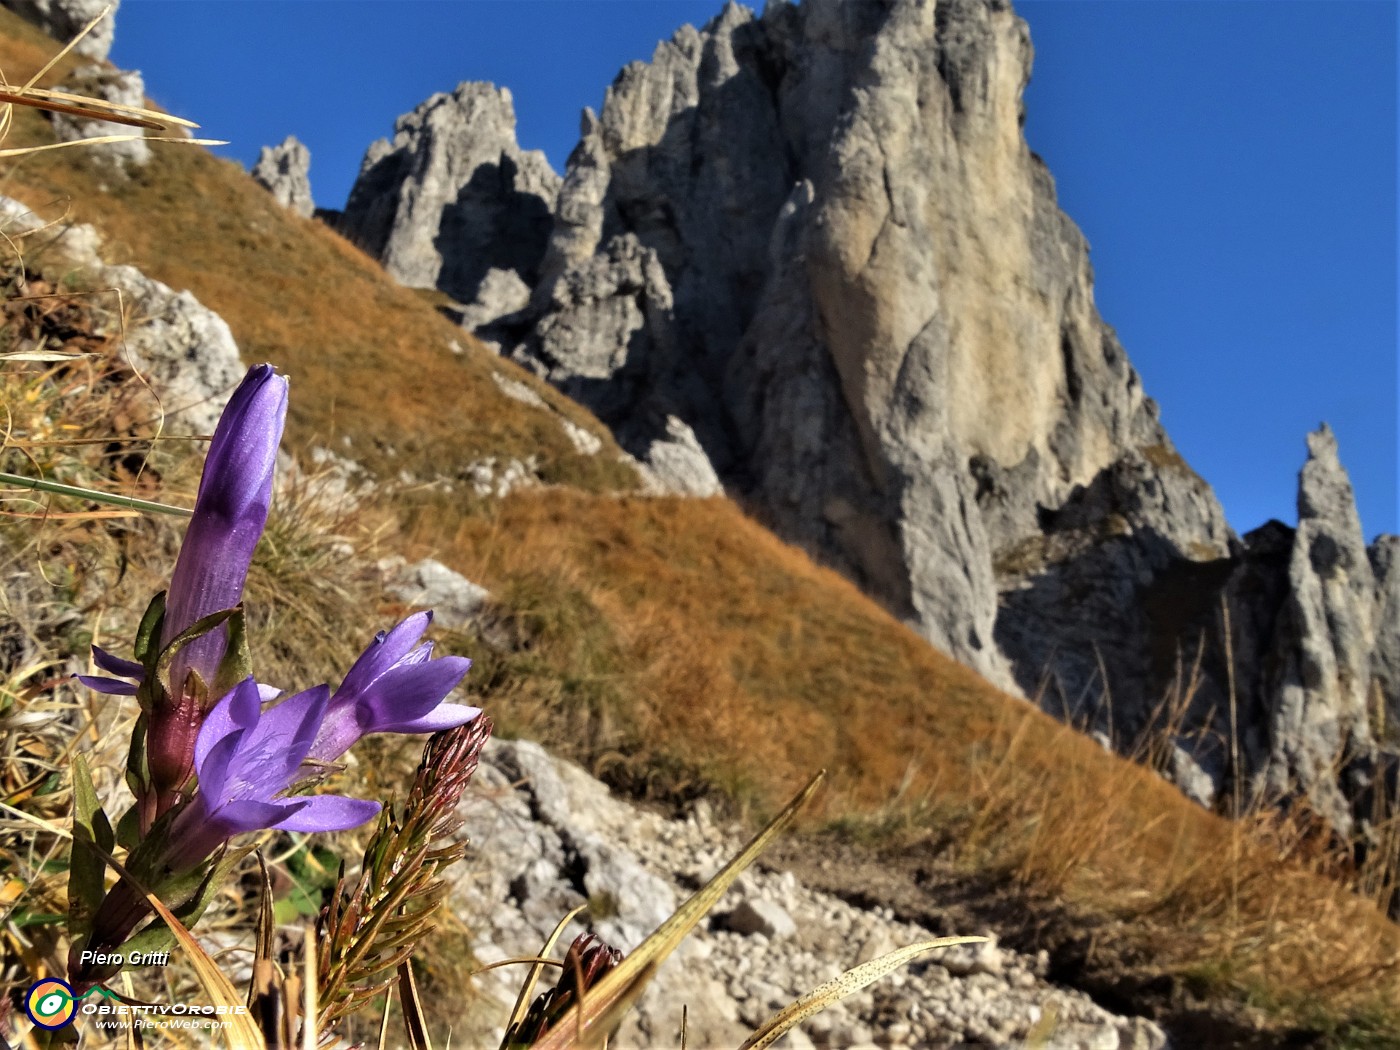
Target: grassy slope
{"points": [[675, 642]]}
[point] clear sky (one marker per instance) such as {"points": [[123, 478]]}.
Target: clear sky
{"points": [[1232, 163]]}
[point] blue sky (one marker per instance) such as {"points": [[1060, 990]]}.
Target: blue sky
{"points": [[1232, 163]]}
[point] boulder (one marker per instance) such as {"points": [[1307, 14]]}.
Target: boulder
{"points": [[456, 601], [283, 171], [181, 347]]}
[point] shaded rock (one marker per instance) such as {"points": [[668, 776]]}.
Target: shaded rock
{"points": [[500, 295], [124, 87], [63, 19], [453, 196], [284, 171]]}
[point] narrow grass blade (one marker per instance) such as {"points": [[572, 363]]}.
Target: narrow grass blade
{"points": [[41, 356], [59, 489], [114, 115], [414, 1023], [584, 1022], [527, 989], [102, 107], [848, 983], [19, 151]]}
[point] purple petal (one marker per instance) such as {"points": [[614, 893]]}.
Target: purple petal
{"points": [[444, 716], [384, 652], [284, 735], [108, 685], [116, 665], [235, 713], [242, 815], [215, 766], [229, 515], [268, 692], [327, 813], [407, 692], [402, 694]]}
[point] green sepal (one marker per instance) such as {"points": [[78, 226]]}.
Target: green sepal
{"points": [[148, 633], [86, 866], [138, 771], [187, 895], [237, 663], [198, 629]]}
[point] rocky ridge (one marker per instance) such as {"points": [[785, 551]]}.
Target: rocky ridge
{"points": [[817, 240], [452, 197], [546, 837]]}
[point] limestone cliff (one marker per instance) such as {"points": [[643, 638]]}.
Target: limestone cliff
{"points": [[818, 240], [452, 196]]}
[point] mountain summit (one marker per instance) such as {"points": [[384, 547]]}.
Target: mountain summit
{"points": [[817, 240]]}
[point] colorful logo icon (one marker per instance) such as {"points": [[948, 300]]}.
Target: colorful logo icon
{"points": [[50, 1003]]}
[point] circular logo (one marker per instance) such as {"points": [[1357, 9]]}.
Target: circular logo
{"points": [[49, 1003]]}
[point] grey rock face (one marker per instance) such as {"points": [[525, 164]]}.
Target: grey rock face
{"points": [[452, 196], [1319, 679], [284, 171], [1385, 566], [454, 599], [62, 20], [121, 86], [846, 224]]}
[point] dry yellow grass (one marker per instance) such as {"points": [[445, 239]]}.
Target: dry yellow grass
{"points": [[730, 658]]}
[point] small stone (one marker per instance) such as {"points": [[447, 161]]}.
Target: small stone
{"points": [[761, 917]]}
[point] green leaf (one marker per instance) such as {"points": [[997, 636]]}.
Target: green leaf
{"points": [[148, 633], [129, 827], [86, 870]]}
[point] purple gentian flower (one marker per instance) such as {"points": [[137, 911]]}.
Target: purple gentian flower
{"points": [[247, 759], [230, 513], [394, 687]]}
